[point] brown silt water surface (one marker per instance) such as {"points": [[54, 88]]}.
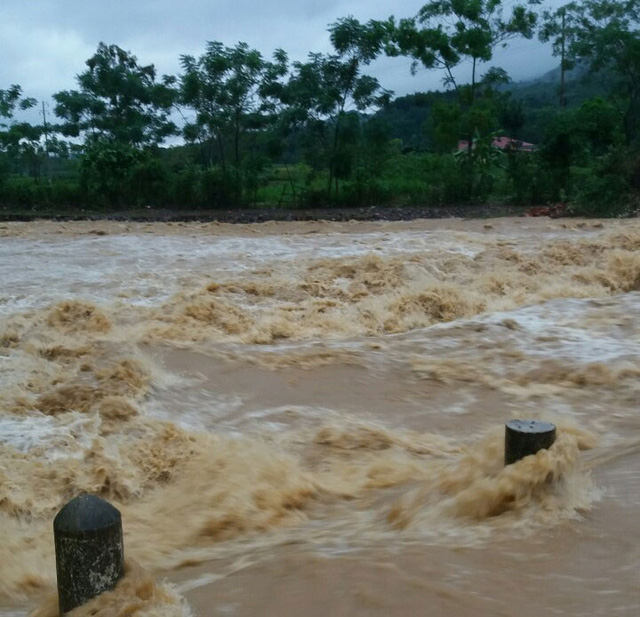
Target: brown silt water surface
{"points": [[308, 418]]}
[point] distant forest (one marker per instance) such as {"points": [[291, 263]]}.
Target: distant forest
{"points": [[267, 132]]}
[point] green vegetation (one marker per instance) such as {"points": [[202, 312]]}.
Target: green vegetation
{"points": [[260, 132]]}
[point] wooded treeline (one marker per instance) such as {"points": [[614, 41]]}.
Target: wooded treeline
{"points": [[267, 132]]}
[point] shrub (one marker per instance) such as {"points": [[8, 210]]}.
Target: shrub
{"points": [[609, 189]]}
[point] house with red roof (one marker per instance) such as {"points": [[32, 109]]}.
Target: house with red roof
{"points": [[503, 143]]}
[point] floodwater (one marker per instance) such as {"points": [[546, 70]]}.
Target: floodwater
{"points": [[307, 418]]}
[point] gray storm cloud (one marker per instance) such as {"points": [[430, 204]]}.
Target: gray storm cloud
{"points": [[45, 43]]}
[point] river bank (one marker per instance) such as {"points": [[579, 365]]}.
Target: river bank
{"points": [[260, 215]]}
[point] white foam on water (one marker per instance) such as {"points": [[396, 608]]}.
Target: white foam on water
{"points": [[191, 408], [146, 270], [564, 328], [280, 418], [55, 438], [564, 321]]}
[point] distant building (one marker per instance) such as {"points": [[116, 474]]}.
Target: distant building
{"points": [[503, 143]]}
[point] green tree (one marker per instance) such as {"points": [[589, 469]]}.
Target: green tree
{"points": [[11, 100], [326, 94], [25, 147], [580, 137], [478, 123], [603, 35], [121, 111], [233, 92], [511, 115], [448, 33], [597, 121], [118, 100], [451, 35]]}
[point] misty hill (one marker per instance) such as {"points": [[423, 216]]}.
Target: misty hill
{"points": [[553, 76], [409, 117], [544, 90]]}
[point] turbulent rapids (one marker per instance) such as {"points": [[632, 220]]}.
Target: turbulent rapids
{"points": [[314, 412]]}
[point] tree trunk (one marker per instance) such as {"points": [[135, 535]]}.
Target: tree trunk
{"points": [[223, 162]]}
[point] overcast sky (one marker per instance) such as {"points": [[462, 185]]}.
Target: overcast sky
{"points": [[44, 43]]}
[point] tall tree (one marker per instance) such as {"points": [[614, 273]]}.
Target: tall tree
{"points": [[448, 33], [454, 35], [11, 99], [232, 92], [326, 93], [118, 100], [603, 35]]}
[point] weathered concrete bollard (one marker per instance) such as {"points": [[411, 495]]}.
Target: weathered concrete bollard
{"points": [[525, 437], [89, 553]]}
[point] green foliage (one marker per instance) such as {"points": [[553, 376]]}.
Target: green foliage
{"points": [[218, 189], [446, 126], [526, 180], [11, 134], [578, 138], [26, 148], [321, 132], [560, 149], [10, 99], [608, 187], [106, 170], [604, 36], [446, 33], [148, 180], [118, 100], [185, 187], [427, 179], [51, 194], [325, 96], [233, 91], [405, 179], [410, 119], [511, 115], [479, 167], [598, 122]]}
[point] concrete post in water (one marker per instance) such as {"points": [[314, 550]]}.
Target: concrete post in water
{"points": [[525, 437], [89, 552]]}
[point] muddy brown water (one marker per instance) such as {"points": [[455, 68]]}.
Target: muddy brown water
{"points": [[307, 418]]}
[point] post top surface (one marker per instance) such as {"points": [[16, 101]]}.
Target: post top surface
{"points": [[86, 515], [531, 426]]}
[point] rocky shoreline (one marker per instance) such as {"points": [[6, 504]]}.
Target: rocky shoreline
{"points": [[371, 213]]}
